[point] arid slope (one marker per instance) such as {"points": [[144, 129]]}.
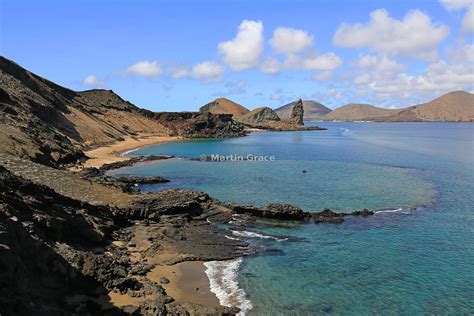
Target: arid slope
{"points": [[225, 106]]}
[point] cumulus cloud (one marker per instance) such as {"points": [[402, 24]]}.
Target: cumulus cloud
{"points": [[244, 51], [453, 5], [324, 62], [270, 66], [374, 68], [92, 80], [145, 68], [462, 54], [287, 40], [414, 36], [457, 5], [440, 77], [207, 71], [328, 61]]}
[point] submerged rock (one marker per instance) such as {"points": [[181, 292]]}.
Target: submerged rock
{"points": [[329, 216]]}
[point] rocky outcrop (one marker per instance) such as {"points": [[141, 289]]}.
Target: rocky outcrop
{"points": [[297, 113], [290, 212], [272, 211], [66, 241], [200, 124], [313, 111], [56, 255], [264, 114]]}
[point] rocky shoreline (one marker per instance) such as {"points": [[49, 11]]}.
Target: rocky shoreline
{"points": [[88, 247], [88, 243]]}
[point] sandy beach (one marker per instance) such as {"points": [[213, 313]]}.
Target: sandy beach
{"points": [[112, 153], [188, 282]]}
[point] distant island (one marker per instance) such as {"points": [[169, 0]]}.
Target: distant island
{"points": [[457, 106]]}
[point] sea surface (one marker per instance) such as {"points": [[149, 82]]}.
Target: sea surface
{"points": [[414, 256]]}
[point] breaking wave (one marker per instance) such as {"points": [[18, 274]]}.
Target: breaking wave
{"points": [[247, 234], [224, 284], [397, 210]]}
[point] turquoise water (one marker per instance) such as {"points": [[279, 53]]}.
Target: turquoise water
{"points": [[419, 260]]}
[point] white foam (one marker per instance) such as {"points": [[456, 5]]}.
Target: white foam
{"points": [[398, 210], [243, 233], [224, 284], [231, 238], [344, 129], [128, 151]]}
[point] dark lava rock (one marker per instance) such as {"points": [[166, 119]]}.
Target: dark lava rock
{"points": [[273, 211], [164, 280], [365, 212], [328, 216], [141, 180], [132, 161], [200, 124]]}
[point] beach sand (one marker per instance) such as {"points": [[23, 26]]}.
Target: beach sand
{"points": [[188, 282], [112, 153]]}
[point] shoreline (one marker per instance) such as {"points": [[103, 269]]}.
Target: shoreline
{"points": [[114, 152], [188, 282]]}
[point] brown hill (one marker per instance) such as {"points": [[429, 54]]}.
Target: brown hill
{"points": [[313, 111], [358, 112], [457, 106], [224, 106], [50, 124]]}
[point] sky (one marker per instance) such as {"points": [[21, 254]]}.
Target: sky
{"points": [[179, 55]]}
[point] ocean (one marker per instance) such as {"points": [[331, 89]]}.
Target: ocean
{"points": [[414, 256]]}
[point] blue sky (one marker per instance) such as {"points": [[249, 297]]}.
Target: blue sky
{"points": [[179, 55]]}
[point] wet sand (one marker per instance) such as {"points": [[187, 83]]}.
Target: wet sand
{"points": [[112, 153], [188, 282]]}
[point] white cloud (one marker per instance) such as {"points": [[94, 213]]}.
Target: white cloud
{"points": [[92, 80], [379, 64], [180, 71], [463, 54], [207, 71], [322, 75], [324, 62], [468, 20], [440, 77], [414, 36], [454, 5], [270, 66], [244, 51], [288, 40], [144, 68], [328, 61], [457, 5]]}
